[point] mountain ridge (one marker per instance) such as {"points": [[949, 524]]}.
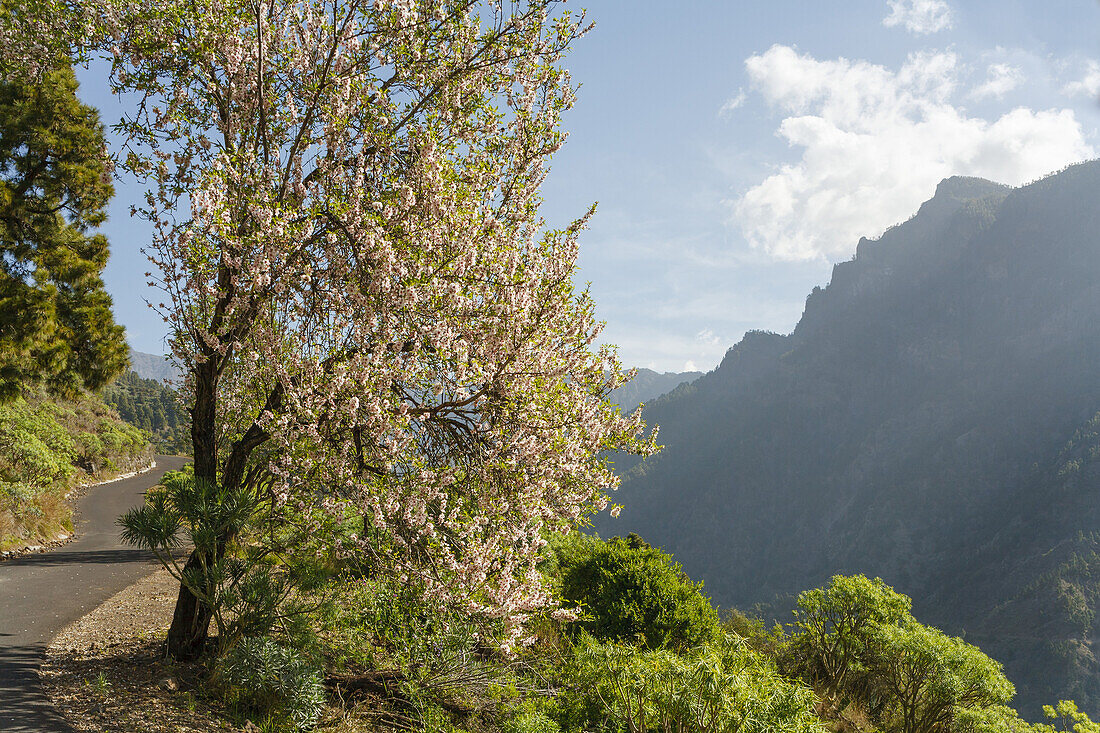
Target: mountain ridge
{"points": [[910, 427], [154, 366], [648, 385]]}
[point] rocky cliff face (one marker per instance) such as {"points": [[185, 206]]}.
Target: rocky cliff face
{"points": [[930, 421]]}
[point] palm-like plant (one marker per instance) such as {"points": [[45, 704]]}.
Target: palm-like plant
{"points": [[242, 590]]}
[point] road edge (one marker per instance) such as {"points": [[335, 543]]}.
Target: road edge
{"points": [[63, 539]]}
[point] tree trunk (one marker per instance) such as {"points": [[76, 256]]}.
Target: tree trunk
{"points": [[190, 621]]}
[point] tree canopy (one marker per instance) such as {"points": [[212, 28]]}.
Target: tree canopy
{"points": [[856, 641], [56, 325], [373, 317], [630, 592]]}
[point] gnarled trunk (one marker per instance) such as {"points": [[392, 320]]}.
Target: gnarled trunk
{"points": [[191, 620]]}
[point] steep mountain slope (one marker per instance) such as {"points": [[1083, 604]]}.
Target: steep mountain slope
{"points": [[149, 405], [153, 366], [933, 420], [648, 384]]}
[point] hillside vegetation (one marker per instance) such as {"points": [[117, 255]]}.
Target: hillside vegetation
{"points": [[637, 648], [49, 447], [932, 420], [149, 405]]}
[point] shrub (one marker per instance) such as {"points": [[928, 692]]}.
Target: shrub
{"points": [[273, 681], [631, 592], [530, 723], [722, 685]]}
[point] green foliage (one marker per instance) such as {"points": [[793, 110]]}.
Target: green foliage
{"points": [[992, 719], [385, 625], [722, 686], [753, 631], [629, 591], [45, 448], [56, 325], [240, 587], [273, 682], [857, 642], [834, 628], [1066, 717], [35, 450], [151, 406], [930, 677], [530, 723]]}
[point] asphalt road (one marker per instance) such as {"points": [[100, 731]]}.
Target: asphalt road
{"points": [[43, 593]]}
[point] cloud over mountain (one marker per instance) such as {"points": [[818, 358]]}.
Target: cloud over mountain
{"points": [[875, 141]]}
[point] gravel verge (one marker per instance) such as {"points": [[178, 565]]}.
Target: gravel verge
{"points": [[107, 672]]}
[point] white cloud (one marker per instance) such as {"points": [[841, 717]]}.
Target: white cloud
{"points": [[689, 366], [708, 337], [1000, 80], [919, 16], [732, 103], [1088, 85], [874, 144]]}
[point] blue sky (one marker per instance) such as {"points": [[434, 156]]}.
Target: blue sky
{"points": [[738, 149]]}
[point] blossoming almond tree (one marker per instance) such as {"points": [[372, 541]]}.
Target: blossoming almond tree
{"points": [[359, 285]]}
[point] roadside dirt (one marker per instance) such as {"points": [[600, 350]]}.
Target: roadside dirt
{"points": [[107, 672]]}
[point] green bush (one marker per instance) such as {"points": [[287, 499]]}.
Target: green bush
{"points": [[386, 625], [530, 723], [273, 682], [631, 592], [723, 685]]}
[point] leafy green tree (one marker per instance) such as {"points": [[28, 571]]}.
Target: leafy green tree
{"points": [[1066, 717], [993, 719], [630, 591], [834, 627], [931, 678], [856, 641], [56, 325]]}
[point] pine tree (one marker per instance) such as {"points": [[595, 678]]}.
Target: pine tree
{"points": [[56, 325]]}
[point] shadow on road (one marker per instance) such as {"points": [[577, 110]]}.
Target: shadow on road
{"points": [[23, 708], [44, 592], [61, 557]]}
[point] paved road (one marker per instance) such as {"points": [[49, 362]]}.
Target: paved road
{"points": [[42, 594]]}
